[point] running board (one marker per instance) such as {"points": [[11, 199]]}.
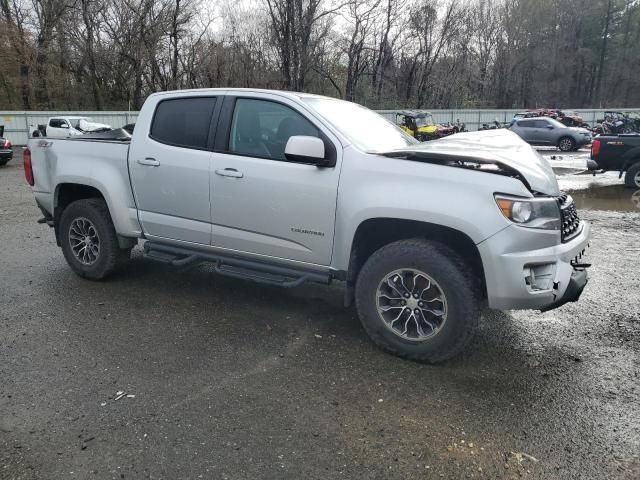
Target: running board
{"points": [[235, 267]]}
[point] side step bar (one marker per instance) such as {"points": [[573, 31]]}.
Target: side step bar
{"points": [[235, 267]]}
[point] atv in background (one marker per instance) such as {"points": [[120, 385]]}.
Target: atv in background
{"points": [[421, 125], [495, 125], [570, 119], [616, 123], [566, 117]]}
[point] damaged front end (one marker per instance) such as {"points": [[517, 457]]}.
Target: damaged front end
{"points": [[453, 160], [498, 152]]}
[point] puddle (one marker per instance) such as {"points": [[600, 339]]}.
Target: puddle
{"points": [[609, 197]]}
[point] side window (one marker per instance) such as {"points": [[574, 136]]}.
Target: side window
{"points": [[55, 123], [262, 128], [183, 122], [529, 124]]}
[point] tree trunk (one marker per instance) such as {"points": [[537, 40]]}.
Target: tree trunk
{"points": [[603, 53]]}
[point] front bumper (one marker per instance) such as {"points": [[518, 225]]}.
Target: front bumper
{"points": [[531, 269], [582, 141], [577, 282]]}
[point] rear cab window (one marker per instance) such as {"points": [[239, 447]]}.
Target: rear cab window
{"points": [[183, 122]]}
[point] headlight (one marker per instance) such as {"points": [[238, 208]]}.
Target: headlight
{"points": [[541, 213]]}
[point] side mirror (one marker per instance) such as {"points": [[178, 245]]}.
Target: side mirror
{"points": [[64, 125], [301, 148]]}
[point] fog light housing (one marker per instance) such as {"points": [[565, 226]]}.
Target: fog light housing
{"points": [[539, 278]]}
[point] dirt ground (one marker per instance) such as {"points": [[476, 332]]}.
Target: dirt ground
{"points": [[226, 379]]}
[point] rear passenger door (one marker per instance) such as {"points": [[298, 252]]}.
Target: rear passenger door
{"points": [[169, 163], [526, 129], [262, 203]]}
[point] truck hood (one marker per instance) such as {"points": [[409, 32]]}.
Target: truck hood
{"points": [[501, 148]]}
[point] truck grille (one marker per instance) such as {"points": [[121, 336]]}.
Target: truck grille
{"points": [[571, 225]]}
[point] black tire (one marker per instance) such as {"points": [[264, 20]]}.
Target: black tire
{"points": [[566, 144], [456, 281], [110, 256], [632, 176], [3, 162]]}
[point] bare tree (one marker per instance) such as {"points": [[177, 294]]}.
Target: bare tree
{"points": [[360, 16], [383, 53]]}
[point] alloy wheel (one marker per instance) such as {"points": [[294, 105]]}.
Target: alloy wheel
{"points": [[411, 304], [84, 241], [565, 145]]}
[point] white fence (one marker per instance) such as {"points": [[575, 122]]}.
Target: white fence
{"points": [[17, 124], [474, 119]]}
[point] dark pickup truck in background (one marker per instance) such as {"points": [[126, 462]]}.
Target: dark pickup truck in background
{"points": [[619, 153]]}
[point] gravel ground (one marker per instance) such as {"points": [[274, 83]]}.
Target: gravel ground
{"points": [[231, 380]]}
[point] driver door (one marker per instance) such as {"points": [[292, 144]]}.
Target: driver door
{"points": [[262, 203]]}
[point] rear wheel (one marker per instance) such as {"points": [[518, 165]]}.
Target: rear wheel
{"points": [[89, 240], [632, 176], [418, 300], [566, 144]]}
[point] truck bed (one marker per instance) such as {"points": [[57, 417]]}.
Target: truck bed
{"points": [[99, 162], [616, 152]]}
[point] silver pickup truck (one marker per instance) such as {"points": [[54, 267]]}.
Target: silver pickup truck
{"points": [[283, 188]]}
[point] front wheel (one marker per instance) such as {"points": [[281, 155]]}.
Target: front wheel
{"points": [[88, 239], [632, 176], [566, 144], [418, 300]]}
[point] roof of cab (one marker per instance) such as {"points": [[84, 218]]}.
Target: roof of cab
{"points": [[230, 91]]}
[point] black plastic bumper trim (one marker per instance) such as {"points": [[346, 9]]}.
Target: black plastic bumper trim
{"points": [[577, 282]]}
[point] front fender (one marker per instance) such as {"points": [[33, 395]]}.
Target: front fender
{"points": [[372, 186]]}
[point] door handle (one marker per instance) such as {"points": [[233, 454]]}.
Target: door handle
{"points": [[229, 172], [150, 162]]}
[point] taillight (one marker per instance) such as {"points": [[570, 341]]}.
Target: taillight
{"points": [[28, 168], [595, 148], [7, 144]]}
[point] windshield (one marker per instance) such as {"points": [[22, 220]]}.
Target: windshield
{"points": [[364, 128], [424, 121]]}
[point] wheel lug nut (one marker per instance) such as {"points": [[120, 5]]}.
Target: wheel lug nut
{"points": [[415, 295], [420, 304], [407, 295], [417, 311]]}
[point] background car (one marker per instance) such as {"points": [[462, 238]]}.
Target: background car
{"points": [[6, 151], [549, 132]]}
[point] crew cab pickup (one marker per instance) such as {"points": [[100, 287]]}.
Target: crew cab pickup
{"points": [[61, 127], [618, 152], [283, 188]]}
